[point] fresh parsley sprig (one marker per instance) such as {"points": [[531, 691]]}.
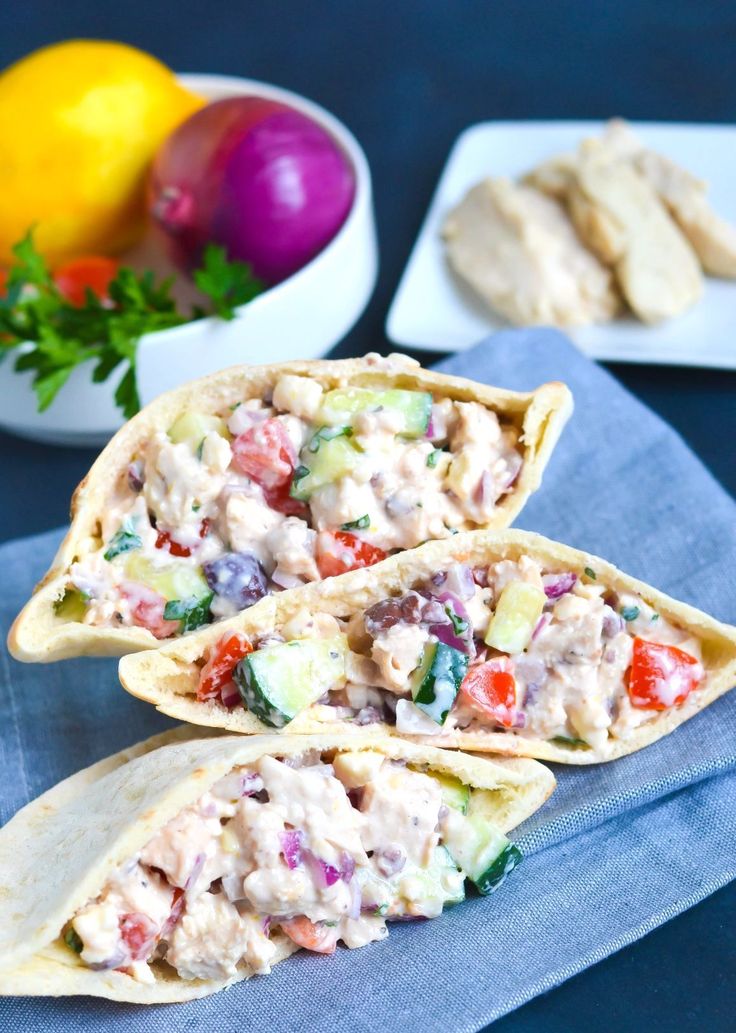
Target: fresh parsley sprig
{"points": [[57, 336]]}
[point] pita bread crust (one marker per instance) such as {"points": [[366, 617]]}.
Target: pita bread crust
{"points": [[132, 795], [38, 635], [169, 676]]}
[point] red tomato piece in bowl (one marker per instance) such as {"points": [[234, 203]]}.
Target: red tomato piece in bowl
{"points": [[93, 272]]}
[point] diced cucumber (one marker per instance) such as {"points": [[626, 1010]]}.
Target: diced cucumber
{"points": [[277, 682], [343, 404], [334, 459], [174, 581], [441, 882], [437, 680], [518, 609], [481, 850], [455, 794], [72, 606], [192, 428]]}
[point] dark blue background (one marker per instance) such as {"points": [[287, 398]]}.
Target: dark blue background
{"points": [[407, 76]]}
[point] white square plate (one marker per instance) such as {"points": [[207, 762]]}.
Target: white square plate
{"points": [[433, 310]]}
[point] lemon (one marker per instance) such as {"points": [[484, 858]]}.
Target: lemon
{"points": [[79, 124]]}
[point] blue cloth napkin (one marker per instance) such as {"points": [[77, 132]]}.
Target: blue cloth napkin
{"points": [[619, 849]]}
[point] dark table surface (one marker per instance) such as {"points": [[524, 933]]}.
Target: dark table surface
{"points": [[407, 76]]}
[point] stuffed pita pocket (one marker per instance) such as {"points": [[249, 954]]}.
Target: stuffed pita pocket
{"points": [[507, 643], [180, 869], [261, 478]]}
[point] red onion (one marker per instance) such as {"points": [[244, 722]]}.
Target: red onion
{"points": [[324, 874], [390, 860], [135, 475], [291, 847], [347, 866], [460, 581], [356, 899], [556, 585], [195, 872], [251, 784], [229, 695], [462, 640], [541, 623], [255, 176], [514, 463]]}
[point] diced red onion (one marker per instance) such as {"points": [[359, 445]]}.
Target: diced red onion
{"points": [[135, 475], [355, 900], [439, 578], [480, 576], [324, 874], [115, 961], [431, 427], [229, 695], [286, 580], [347, 867], [195, 872], [514, 463], [613, 623], [541, 624], [460, 581], [232, 886], [519, 720], [251, 784], [390, 860], [243, 419], [556, 585], [267, 925], [291, 847], [446, 633], [368, 716], [486, 491]]}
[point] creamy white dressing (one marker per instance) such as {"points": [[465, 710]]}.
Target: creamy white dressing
{"points": [[277, 844], [196, 505], [571, 680]]}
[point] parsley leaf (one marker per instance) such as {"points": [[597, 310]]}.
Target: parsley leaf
{"points": [[192, 612], [124, 540], [227, 284], [59, 336], [357, 525], [591, 573]]}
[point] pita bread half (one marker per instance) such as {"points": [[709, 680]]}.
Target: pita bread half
{"points": [[94, 821], [168, 678], [40, 635]]}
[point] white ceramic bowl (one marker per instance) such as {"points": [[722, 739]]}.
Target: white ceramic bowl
{"points": [[300, 318]]}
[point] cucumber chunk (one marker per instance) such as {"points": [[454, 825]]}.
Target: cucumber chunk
{"points": [[518, 609], [335, 458], [192, 428], [437, 680], [174, 581], [72, 606], [277, 682], [481, 850], [440, 883], [455, 793], [341, 405]]}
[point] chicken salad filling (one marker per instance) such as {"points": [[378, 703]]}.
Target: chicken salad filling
{"points": [[306, 483], [512, 647], [324, 848]]}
